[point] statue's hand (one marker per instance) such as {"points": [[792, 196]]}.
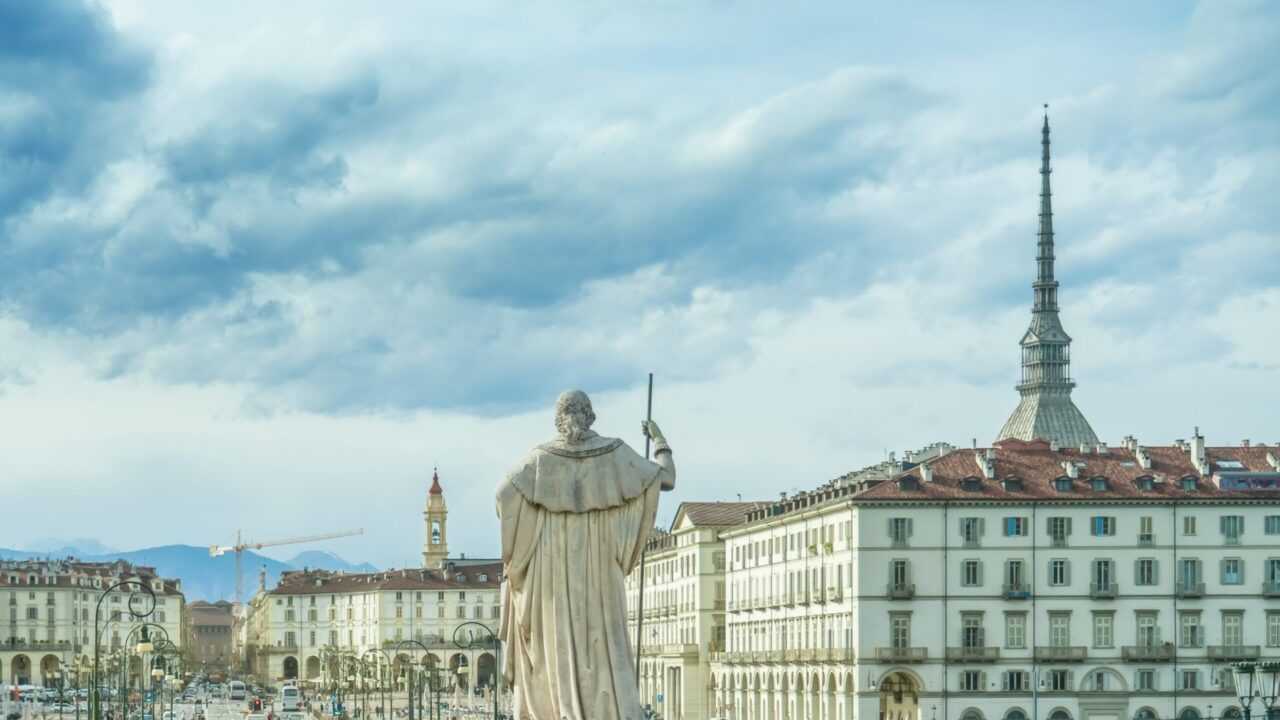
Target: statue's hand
{"points": [[653, 432]]}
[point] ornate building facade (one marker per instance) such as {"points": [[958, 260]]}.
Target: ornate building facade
{"points": [[311, 614], [48, 631], [1046, 576]]}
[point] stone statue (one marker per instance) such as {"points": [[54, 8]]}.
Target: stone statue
{"points": [[575, 515]]}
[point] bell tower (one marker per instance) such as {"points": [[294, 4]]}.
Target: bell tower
{"points": [[436, 546]]}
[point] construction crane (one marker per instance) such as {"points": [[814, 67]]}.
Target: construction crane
{"points": [[240, 547]]}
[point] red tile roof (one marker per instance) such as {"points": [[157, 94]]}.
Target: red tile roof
{"points": [[1037, 466], [316, 582]]}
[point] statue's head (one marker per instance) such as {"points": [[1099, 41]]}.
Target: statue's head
{"points": [[574, 415]]}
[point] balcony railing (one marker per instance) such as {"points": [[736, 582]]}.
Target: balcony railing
{"points": [[1271, 588], [902, 654], [973, 654], [1147, 653], [1057, 540], [901, 591], [41, 646], [1146, 540], [1102, 591], [1061, 653], [833, 655], [1017, 591], [1190, 589], [679, 649], [834, 593], [1234, 652]]}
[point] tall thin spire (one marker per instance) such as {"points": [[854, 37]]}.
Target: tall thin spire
{"points": [[1046, 409]]}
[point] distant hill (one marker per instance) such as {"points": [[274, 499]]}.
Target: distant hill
{"points": [[327, 561], [58, 546], [204, 577]]}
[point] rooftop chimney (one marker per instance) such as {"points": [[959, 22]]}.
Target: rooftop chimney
{"points": [[1274, 460], [926, 472], [1102, 449], [1070, 467], [1244, 442], [1196, 449], [1084, 449], [1144, 459]]}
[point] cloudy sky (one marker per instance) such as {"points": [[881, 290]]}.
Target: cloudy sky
{"points": [[264, 266]]}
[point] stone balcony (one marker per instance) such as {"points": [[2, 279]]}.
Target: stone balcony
{"points": [[1271, 588], [1102, 591], [1016, 591], [679, 649], [973, 654], [1189, 590], [902, 654], [1234, 652], [1061, 653], [41, 646], [1147, 653], [902, 591]]}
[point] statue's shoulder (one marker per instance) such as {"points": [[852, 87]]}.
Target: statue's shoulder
{"points": [[590, 447]]}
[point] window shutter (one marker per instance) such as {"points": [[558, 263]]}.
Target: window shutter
{"points": [[1155, 572], [1093, 525], [889, 529], [979, 572], [1199, 571], [1222, 571], [1137, 572], [963, 522], [1240, 524], [1066, 572], [1240, 566], [982, 680], [982, 527], [910, 525], [1004, 681], [1222, 524], [1071, 679], [1005, 524]]}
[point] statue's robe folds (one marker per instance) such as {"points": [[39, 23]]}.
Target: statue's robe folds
{"points": [[575, 518]]}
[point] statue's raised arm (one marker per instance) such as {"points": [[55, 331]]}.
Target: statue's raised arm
{"points": [[575, 516]]}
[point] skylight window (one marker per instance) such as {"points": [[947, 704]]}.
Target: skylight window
{"points": [[1126, 463], [1229, 465]]}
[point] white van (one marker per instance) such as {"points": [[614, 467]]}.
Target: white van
{"points": [[290, 698]]}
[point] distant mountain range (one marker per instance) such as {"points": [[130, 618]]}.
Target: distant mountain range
{"points": [[203, 577]]}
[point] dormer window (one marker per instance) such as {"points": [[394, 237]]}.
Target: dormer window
{"points": [[482, 577], [971, 484], [1013, 484], [908, 482], [1146, 482], [1097, 483], [1062, 484], [462, 578], [1188, 483]]}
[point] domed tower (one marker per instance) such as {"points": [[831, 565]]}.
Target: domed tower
{"points": [[436, 546]]}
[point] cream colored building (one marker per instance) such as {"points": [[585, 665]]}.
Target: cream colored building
{"points": [[684, 608], [293, 628], [48, 621]]}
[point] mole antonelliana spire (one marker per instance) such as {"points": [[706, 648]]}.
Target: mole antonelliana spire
{"points": [[1046, 409]]}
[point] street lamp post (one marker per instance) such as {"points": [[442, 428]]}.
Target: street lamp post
{"points": [[412, 667], [466, 640], [99, 627], [379, 656]]}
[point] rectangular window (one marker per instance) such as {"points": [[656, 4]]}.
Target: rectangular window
{"points": [[1273, 525], [1059, 529], [1232, 571], [971, 680], [1144, 571], [899, 531], [1059, 679], [1145, 534], [1015, 526], [1103, 626], [333, 637], [1189, 573], [1190, 634], [1103, 574], [1233, 629], [971, 531], [1104, 526], [1015, 630], [1058, 573], [971, 632], [1273, 629], [971, 573], [1145, 679], [1148, 631], [1059, 629], [1232, 528], [898, 574], [1014, 577], [1015, 680], [1189, 525], [1190, 679], [900, 630]]}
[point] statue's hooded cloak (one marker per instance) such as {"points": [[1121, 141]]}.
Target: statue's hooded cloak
{"points": [[575, 518]]}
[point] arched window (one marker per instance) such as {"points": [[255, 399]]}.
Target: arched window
{"points": [[1189, 713], [1231, 713], [1015, 714], [1145, 713], [971, 714], [1059, 714]]}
